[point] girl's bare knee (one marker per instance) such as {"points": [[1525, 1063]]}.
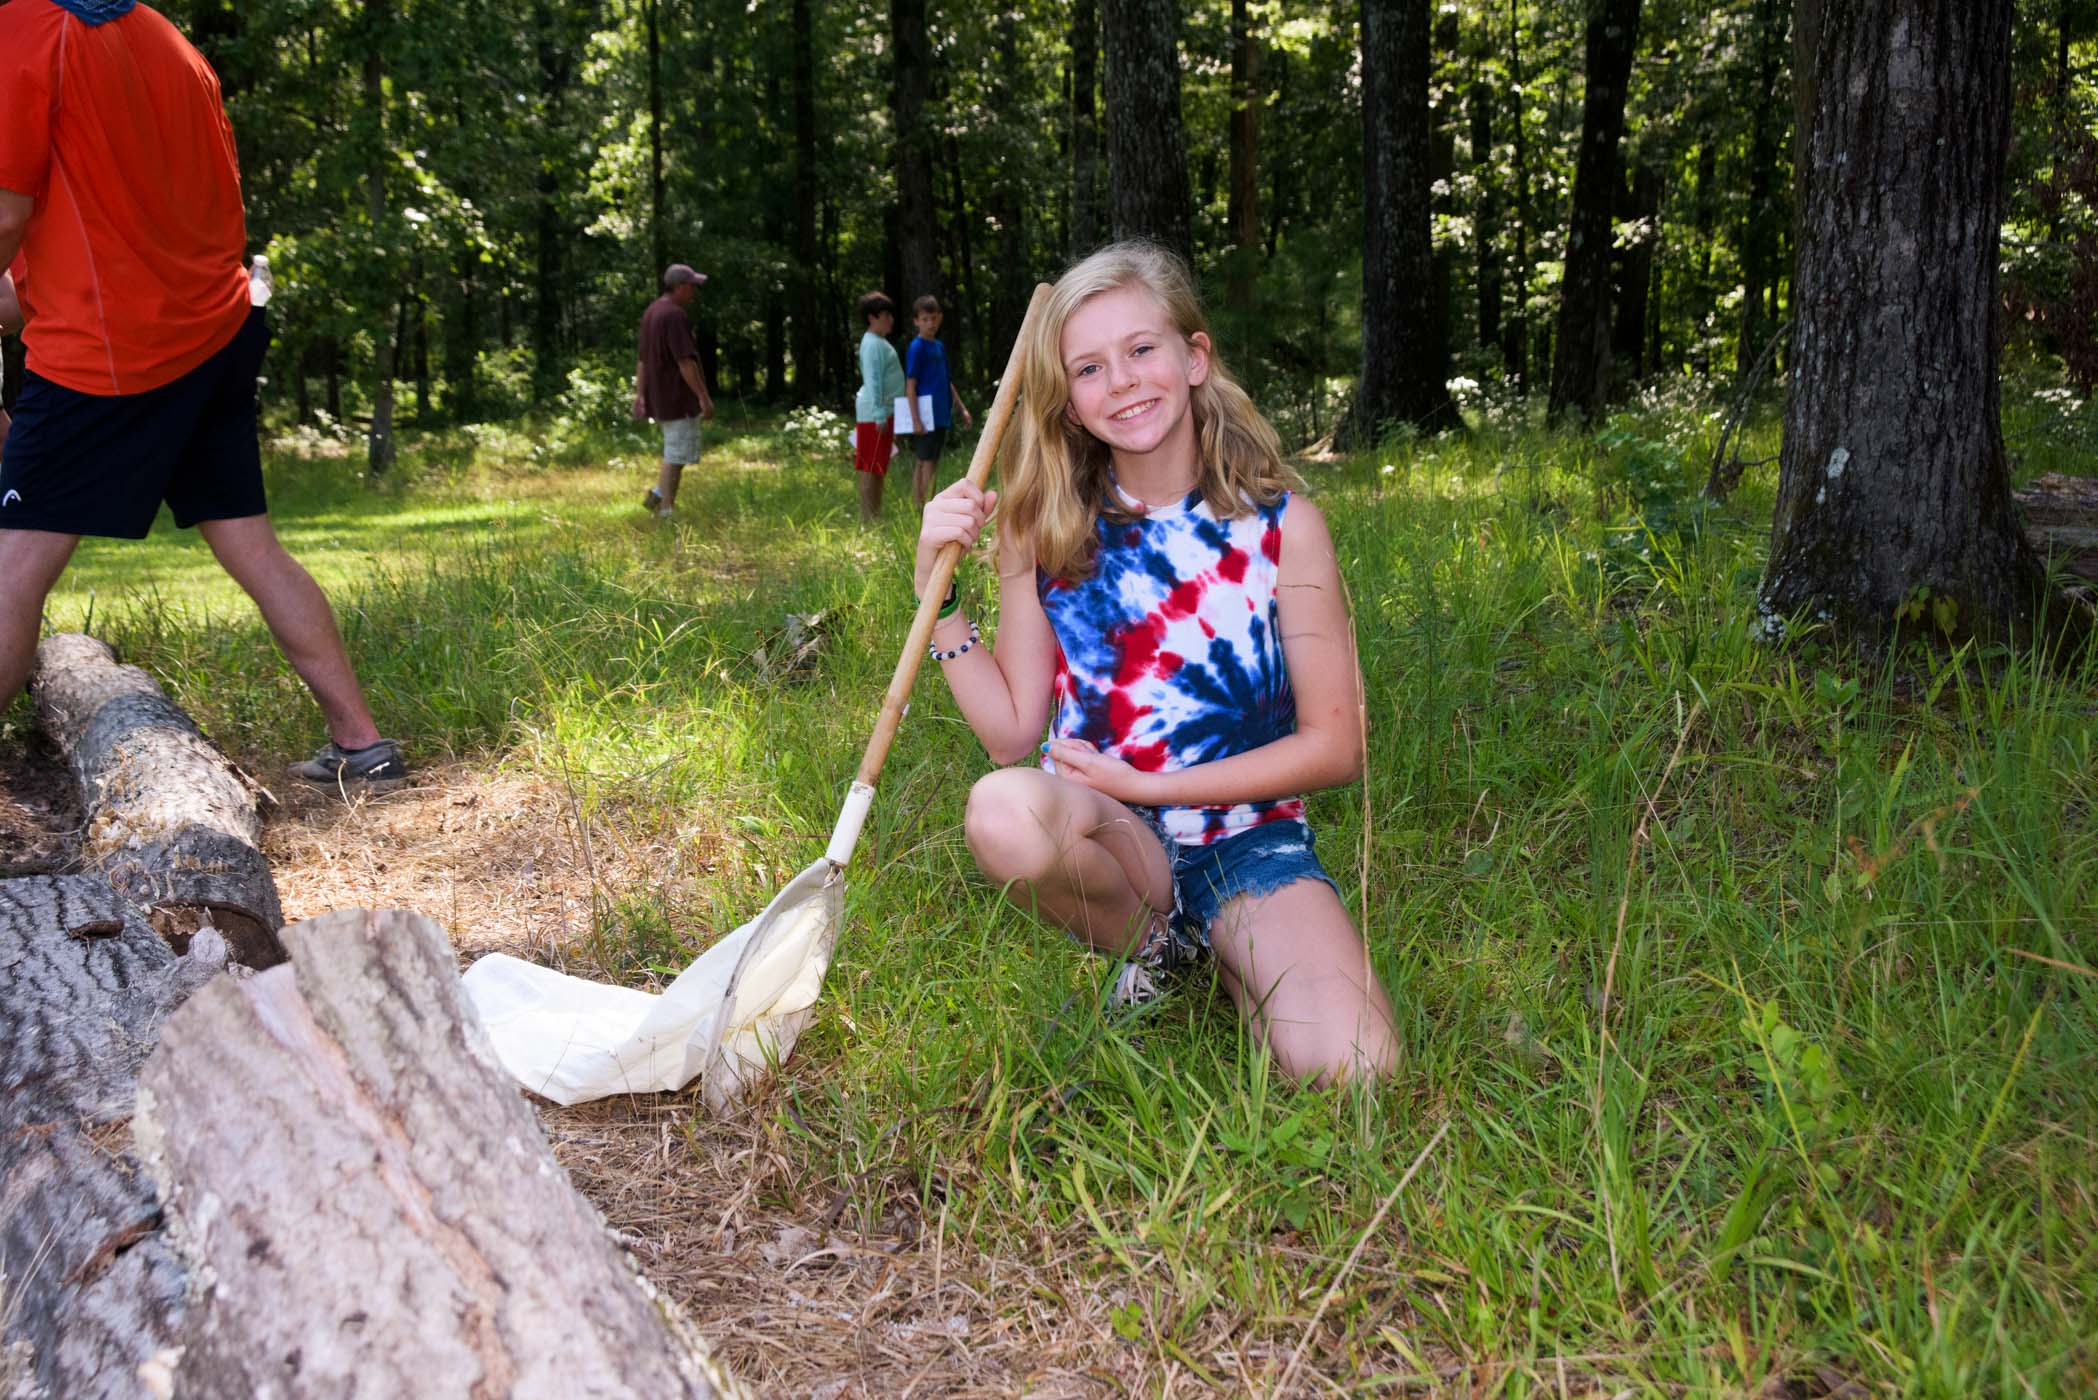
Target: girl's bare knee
{"points": [[1011, 825]]}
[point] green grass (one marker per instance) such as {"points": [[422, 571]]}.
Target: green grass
{"points": [[1840, 1114]]}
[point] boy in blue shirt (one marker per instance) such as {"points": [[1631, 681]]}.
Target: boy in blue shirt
{"points": [[925, 373]]}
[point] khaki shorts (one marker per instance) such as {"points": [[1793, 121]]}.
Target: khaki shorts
{"points": [[681, 441]]}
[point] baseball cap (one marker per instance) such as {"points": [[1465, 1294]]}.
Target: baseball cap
{"points": [[678, 274]]}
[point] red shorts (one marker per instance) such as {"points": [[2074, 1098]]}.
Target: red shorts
{"points": [[873, 444]]}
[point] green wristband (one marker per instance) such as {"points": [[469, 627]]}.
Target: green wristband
{"points": [[953, 601]]}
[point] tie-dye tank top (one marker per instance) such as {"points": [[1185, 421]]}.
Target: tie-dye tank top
{"points": [[1169, 655]]}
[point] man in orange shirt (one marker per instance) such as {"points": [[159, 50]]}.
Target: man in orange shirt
{"points": [[120, 182]]}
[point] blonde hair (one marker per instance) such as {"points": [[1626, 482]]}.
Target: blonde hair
{"points": [[1057, 484]]}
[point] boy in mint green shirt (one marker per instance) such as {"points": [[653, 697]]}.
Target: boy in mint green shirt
{"points": [[881, 380]]}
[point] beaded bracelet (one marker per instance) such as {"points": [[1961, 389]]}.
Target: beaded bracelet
{"points": [[975, 636]]}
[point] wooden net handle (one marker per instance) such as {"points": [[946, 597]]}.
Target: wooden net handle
{"points": [[920, 639]]}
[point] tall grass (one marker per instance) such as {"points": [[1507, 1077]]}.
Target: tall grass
{"points": [[1753, 988]]}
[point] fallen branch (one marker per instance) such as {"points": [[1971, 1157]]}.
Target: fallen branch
{"points": [[168, 821]]}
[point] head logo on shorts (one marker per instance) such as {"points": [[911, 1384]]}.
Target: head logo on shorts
{"points": [[10, 498]]}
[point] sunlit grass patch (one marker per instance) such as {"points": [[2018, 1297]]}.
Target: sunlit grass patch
{"points": [[1753, 989]]}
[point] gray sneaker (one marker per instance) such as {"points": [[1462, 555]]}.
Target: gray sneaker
{"points": [[373, 768], [1166, 950]]}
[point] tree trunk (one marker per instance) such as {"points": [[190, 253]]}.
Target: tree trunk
{"points": [[378, 19], [658, 232], [1242, 214], [1893, 501], [401, 1226], [555, 65], [1516, 353], [1486, 211], [1085, 127], [1146, 143], [1581, 363], [1402, 343], [1635, 275], [1759, 233], [1009, 307], [914, 229], [808, 314], [166, 819], [93, 1287]]}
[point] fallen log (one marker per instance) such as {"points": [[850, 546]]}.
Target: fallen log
{"points": [[85, 983], [168, 821], [368, 1205]]}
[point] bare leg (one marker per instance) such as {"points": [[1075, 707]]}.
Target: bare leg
{"points": [[870, 496], [30, 562], [1084, 861], [667, 482], [921, 483], [1298, 972], [298, 616]]}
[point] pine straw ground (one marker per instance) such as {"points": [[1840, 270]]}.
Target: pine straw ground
{"points": [[802, 1287]]}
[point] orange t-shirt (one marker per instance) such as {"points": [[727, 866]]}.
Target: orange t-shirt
{"points": [[117, 132]]}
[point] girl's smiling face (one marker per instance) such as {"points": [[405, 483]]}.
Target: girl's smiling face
{"points": [[1129, 372]]}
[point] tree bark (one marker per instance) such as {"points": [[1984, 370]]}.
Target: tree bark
{"points": [[1635, 275], [167, 821], [94, 1288], [1486, 211], [401, 1226], [378, 20], [1516, 352], [808, 315], [1146, 143], [658, 232], [1242, 212], [1403, 345], [1085, 128], [1759, 234], [1581, 362], [1893, 500], [914, 229]]}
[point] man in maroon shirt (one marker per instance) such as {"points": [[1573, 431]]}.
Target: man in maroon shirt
{"points": [[668, 386]]}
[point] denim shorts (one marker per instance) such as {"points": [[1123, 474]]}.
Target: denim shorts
{"points": [[1257, 861]]}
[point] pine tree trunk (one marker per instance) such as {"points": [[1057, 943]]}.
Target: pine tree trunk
{"points": [[1893, 497], [555, 65], [1759, 234], [1486, 210], [1516, 353], [1146, 144], [1242, 214], [914, 229], [1635, 275], [808, 316], [1402, 342], [658, 233], [1085, 127], [1581, 362], [378, 20]]}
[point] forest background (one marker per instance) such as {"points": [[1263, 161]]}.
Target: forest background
{"points": [[477, 203]]}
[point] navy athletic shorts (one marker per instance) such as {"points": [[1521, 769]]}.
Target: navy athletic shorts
{"points": [[88, 464], [929, 444]]}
